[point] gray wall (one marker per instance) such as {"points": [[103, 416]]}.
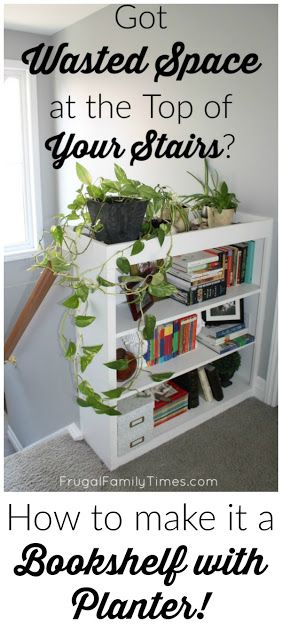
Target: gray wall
{"points": [[251, 170], [19, 281], [39, 392]]}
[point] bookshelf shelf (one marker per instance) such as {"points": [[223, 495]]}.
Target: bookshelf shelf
{"points": [[199, 357], [168, 309], [114, 320]]}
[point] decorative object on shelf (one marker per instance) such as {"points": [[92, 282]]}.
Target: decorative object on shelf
{"points": [[173, 210], [232, 310], [217, 202], [128, 371], [135, 343], [138, 304], [122, 218], [227, 366], [190, 382], [214, 381]]}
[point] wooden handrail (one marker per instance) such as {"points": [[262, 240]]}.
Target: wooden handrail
{"points": [[39, 291]]}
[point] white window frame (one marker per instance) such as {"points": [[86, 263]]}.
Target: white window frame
{"points": [[32, 182]]}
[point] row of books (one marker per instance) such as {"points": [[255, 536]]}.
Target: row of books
{"points": [[171, 400], [172, 339], [206, 274], [225, 337]]}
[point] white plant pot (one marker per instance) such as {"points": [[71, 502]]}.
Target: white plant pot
{"points": [[216, 219]]}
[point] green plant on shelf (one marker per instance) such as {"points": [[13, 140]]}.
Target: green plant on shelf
{"points": [[61, 256]]}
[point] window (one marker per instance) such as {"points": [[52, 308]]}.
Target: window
{"points": [[21, 196]]}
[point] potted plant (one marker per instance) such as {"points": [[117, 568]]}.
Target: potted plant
{"points": [[223, 205], [173, 210], [227, 366], [219, 204], [119, 205]]}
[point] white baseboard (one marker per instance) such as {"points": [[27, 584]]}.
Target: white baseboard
{"points": [[72, 429], [75, 431], [259, 388], [13, 439]]}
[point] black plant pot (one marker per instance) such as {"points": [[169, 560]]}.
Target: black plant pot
{"points": [[121, 219]]}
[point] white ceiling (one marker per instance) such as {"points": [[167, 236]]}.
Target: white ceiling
{"points": [[46, 19]]}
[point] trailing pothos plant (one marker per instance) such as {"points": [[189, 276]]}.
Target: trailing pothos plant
{"points": [[61, 256]]}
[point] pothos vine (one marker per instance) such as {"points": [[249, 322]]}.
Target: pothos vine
{"points": [[61, 257]]}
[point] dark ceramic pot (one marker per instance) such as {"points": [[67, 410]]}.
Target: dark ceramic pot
{"points": [[122, 219]]}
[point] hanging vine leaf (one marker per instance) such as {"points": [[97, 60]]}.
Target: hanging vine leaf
{"points": [[162, 290], [99, 406], [105, 283], [114, 393], [92, 350], [157, 278], [160, 377], [82, 292], [72, 302], [150, 323], [137, 247], [118, 365], [57, 233], [85, 388], [161, 235], [123, 265], [71, 350], [84, 321]]}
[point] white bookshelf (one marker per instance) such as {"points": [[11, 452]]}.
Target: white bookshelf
{"points": [[114, 320]]}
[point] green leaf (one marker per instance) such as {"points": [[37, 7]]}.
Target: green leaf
{"points": [[85, 388], [137, 247], [59, 264], [57, 233], [162, 290], [109, 186], [72, 302], [84, 321], [105, 283], [123, 265], [92, 350], [109, 411], [82, 292], [95, 192], [98, 406], [146, 192], [160, 377], [120, 173], [118, 365], [161, 235], [73, 216], [150, 323], [71, 350], [126, 279], [114, 393], [157, 278], [84, 362], [83, 175]]}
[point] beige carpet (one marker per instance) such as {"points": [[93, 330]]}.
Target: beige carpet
{"points": [[238, 449]]}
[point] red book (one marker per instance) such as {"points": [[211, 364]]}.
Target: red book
{"points": [[178, 393], [194, 333]]}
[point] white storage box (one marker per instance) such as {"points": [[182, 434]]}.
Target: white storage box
{"points": [[136, 424]]}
